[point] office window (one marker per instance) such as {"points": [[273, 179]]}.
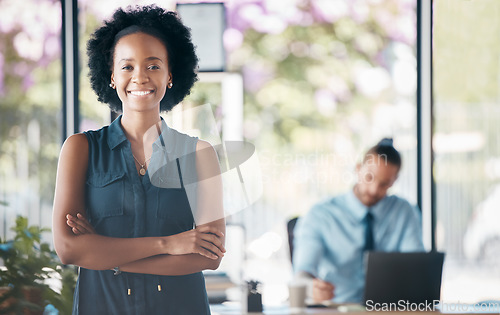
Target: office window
{"points": [[91, 14], [323, 82], [30, 110], [467, 146], [93, 114]]}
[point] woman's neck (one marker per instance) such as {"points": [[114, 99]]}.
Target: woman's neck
{"points": [[139, 127]]}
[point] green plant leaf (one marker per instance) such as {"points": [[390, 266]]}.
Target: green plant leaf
{"points": [[25, 258]]}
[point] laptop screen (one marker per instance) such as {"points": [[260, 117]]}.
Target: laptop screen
{"points": [[406, 277]]}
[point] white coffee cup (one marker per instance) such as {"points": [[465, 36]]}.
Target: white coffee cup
{"points": [[297, 297]]}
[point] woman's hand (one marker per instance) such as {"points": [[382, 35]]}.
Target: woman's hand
{"points": [[204, 240], [79, 224]]}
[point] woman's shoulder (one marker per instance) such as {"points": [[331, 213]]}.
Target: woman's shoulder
{"points": [[75, 148], [205, 153], [96, 132], [78, 140], [110, 135], [203, 144]]}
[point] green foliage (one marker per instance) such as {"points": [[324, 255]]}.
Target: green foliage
{"points": [[63, 302], [466, 50], [28, 263]]}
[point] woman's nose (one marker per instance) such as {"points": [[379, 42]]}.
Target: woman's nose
{"points": [[140, 76]]}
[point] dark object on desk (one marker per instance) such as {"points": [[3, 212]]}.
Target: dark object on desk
{"points": [[316, 306], [290, 226], [254, 297], [408, 277]]}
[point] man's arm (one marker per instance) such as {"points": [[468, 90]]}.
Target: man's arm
{"points": [[412, 234], [307, 245], [308, 250]]}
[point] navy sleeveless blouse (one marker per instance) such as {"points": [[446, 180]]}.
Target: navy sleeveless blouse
{"points": [[121, 203]]}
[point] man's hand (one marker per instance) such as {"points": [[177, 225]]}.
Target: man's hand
{"points": [[79, 224], [322, 290], [317, 289]]}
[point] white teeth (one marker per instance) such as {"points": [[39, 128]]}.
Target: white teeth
{"points": [[140, 93]]}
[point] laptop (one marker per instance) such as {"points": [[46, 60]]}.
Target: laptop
{"points": [[408, 277]]}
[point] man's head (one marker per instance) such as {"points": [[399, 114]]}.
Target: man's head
{"points": [[377, 173]]}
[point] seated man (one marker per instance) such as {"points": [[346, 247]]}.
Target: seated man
{"points": [[331, 239]]}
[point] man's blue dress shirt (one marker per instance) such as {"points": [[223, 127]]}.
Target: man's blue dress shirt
{"points": [[329, 240]]}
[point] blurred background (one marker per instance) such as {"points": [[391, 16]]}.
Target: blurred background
{"points": [[312, 84]]}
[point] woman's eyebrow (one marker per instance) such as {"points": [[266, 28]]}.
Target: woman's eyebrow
{"points": [[154, 58], [147, 59]]}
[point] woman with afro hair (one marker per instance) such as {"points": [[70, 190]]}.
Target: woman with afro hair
{"points": [[138, 205]]}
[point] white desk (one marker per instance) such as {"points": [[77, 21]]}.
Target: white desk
{"points": [[236, 310]]}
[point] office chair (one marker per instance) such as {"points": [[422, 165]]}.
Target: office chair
{"points": [[289, 227]]}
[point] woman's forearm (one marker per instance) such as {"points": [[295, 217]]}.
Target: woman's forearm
{"points": [[172, 265], [93, 251]]}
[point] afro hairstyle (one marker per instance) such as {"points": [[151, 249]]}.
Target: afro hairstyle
{"points": [[152, 20]]}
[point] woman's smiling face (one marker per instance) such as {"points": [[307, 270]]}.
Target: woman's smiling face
{"points": [[140, 72]]}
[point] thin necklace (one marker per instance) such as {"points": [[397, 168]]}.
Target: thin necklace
{"points": [[142, 171]]}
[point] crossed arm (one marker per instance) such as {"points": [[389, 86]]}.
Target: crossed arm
{"points": [[184, 253]]}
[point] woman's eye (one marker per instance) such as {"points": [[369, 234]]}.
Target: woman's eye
{"points": [[153, 67], [126, 68]]}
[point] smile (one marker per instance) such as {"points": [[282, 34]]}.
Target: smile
{"points": [[140, 93]]}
